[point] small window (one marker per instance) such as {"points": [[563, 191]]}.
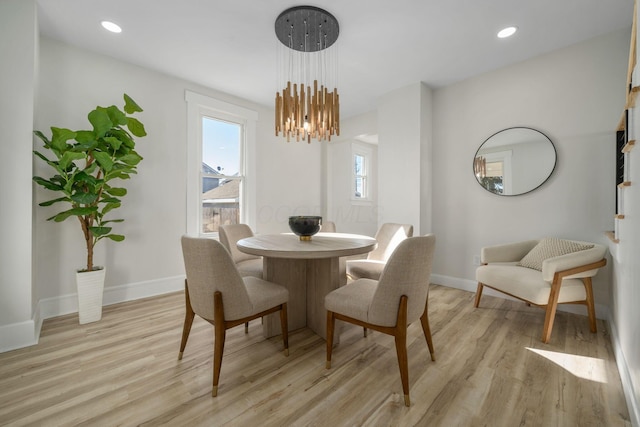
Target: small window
{"points": [[360, 176]]}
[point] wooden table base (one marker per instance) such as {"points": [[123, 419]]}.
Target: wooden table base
{"points": [[308, 281]]}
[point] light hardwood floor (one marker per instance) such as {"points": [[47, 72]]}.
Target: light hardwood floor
{"points": [[491, 370]]}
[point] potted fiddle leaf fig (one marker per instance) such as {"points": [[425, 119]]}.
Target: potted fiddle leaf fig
{"points": [[87, 164]]}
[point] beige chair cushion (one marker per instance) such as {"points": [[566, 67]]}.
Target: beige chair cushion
{"points": [[550, 247], [352, 300], [527, 283], [365, 268], [264, 295], [250, 267]]}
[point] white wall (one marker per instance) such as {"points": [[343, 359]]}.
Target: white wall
{"points": [[18, 50], [73, 82], [573, 95], [403, 151], [625, 291]]}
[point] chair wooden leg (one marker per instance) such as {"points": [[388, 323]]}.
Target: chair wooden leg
{"points": [[246, 327], [364, 331], [219, 338], [552, 305], [188, 321], [401, 348], [424, 320], [284, 325], [591, 310], [478, 295], [331, 321]]}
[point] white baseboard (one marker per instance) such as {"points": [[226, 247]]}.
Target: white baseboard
{"points": [[18, 335], [633, 402], [25, 334], [602, 312]]}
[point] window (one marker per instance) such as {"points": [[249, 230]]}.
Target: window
{"points": [[498, 179], [222, 173], [360, 176], [221, 165], [361, 170]]}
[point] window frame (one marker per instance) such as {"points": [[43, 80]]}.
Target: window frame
{"points": [[367, 154], [198, 107]]}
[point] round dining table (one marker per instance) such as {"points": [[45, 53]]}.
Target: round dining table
{"points": [[308, 269]]}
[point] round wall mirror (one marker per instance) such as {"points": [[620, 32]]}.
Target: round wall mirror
{"points": [[514, 161]]}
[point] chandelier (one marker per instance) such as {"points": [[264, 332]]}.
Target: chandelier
{"points": [[480, 167], [306, 108]]}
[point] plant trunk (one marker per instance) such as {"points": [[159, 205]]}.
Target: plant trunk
{"points": [[88, 238]]}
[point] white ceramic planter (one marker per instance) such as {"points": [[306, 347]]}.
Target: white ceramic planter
{"points": [[90, 286]]}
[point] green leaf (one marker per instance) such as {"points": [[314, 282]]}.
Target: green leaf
{"points": [[118, 192], [117, 174], [59, 138], [136, 127], [109, 207], [112, 220], [100, 231], [48, 184], [69, 157], [86, 140], [44, 139], [50, 202], [84, 198], [73, 212], [99, 118], [130, 105], [83, 178], [115, 237], [114, 142], [104, 160], [49, 162], [123, 136], [131, 159], [117, 117], [109, 199]]}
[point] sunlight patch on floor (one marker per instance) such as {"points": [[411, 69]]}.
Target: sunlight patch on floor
{"points": [[589, 368]]}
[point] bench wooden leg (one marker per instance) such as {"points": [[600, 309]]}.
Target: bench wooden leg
{"points": [[478, 295], [591, 310], [552, 305]]}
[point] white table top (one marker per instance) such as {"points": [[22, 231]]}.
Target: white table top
{"points": [[321, 245]]}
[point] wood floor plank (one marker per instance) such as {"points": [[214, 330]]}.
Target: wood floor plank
{"points": [[491, 369]]}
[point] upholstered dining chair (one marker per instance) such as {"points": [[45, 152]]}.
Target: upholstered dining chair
{"points": [[389, 305], [544, 273], [248, 265], [215, 291], [328, 227], [389, 235]]}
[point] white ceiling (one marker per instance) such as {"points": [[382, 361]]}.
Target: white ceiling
{"points": [[230, 45]]}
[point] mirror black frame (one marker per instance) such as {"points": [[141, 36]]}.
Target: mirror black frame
{"points": [[476, 165]]}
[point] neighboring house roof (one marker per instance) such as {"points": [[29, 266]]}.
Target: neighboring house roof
{"points": [[209, 170], [229, 189]]}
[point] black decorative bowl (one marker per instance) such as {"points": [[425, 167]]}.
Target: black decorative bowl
{"points": [[305, 226]]}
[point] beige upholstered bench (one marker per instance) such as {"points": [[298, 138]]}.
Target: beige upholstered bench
{"points": [[544, 273]]}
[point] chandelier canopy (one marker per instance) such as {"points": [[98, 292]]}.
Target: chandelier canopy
{"points": [[306, 108]]}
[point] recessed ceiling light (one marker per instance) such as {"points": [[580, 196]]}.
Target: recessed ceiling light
{"points": [[110, 26], [507, 32]]}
